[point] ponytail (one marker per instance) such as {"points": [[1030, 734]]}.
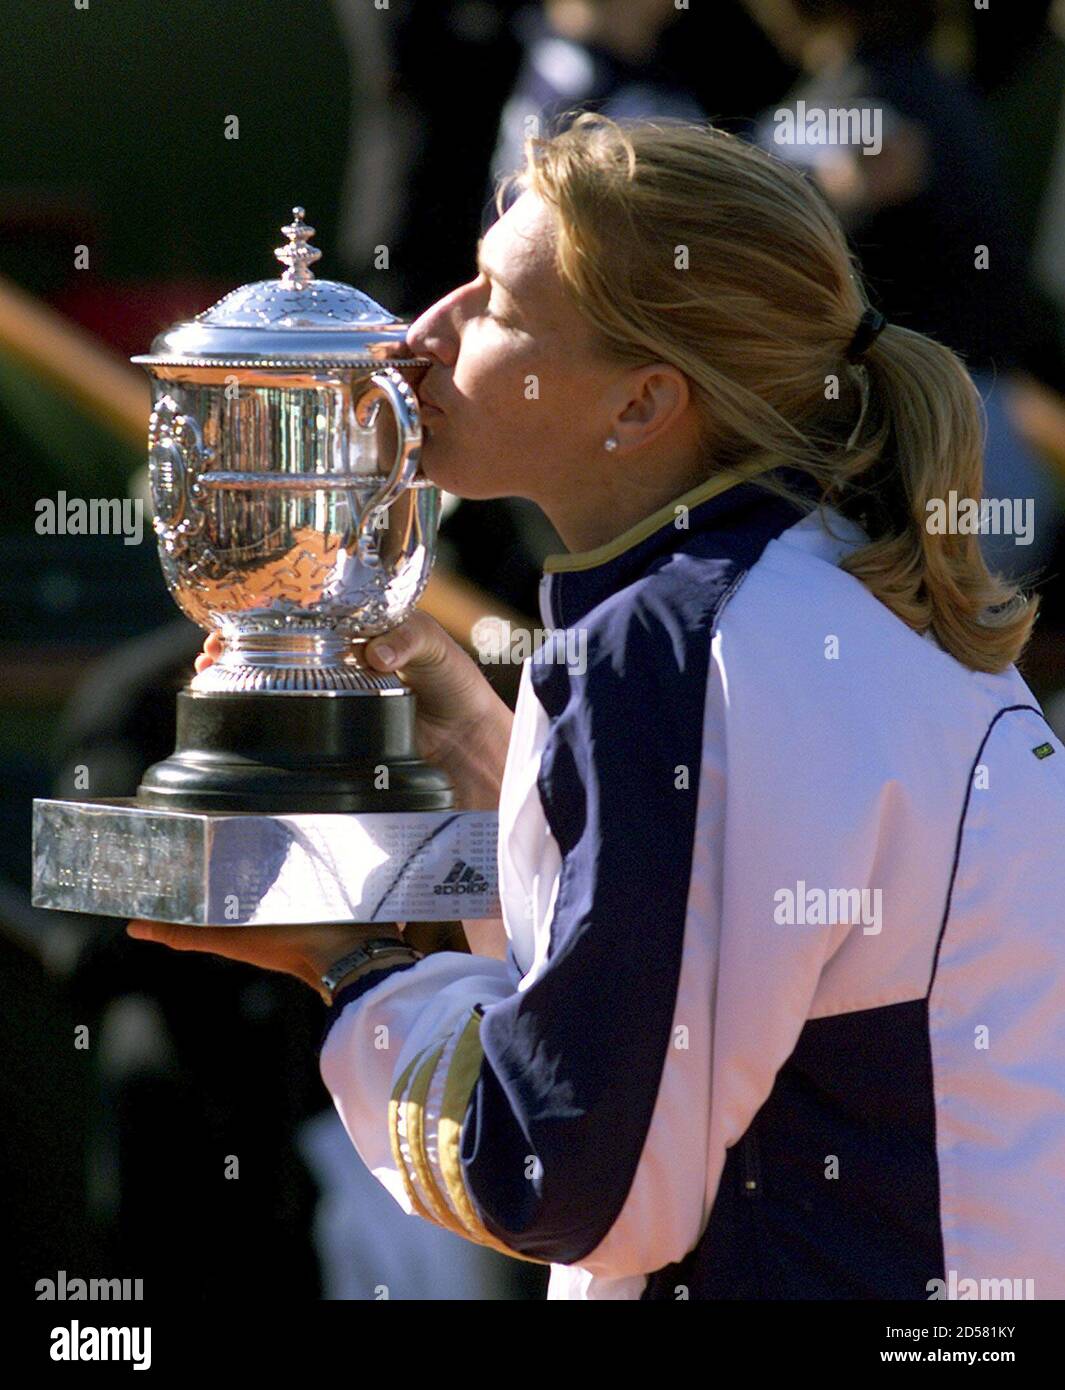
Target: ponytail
{"points": [[921, 440]]}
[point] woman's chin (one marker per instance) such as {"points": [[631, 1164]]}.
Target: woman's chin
{"points": [[434, 467], [449, 475]]}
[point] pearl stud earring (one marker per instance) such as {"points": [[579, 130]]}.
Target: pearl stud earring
{"points": [[610, 444]]}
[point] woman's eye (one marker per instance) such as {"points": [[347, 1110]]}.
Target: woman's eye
{"points": [[489, 312]]}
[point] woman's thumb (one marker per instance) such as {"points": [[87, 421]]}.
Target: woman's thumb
{"points": [[445, 679], [416, 642]]}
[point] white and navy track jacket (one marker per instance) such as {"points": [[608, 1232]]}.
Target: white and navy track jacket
{"points": [[783, 1010]]}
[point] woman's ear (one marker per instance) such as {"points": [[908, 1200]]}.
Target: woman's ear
{"points": [[651, 401]]}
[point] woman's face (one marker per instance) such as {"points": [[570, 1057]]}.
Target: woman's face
{"points": [[517, 398]]}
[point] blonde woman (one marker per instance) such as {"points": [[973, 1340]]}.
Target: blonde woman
{"points": [[777, 1005]]}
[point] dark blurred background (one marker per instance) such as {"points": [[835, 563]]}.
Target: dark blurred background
{"points": [[123, 208]]}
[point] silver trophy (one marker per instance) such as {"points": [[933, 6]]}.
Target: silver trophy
{"points": [[291, 516]]}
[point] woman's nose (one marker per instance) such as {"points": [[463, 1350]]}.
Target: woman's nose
{"points": [[433, 333]]}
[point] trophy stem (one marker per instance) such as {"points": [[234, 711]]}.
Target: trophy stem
{"points": [[293, 662]]}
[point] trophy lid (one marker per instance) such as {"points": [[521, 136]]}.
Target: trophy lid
{"points": [[294, 321]]}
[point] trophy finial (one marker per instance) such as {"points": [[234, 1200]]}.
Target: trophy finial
{"points": [[297, 256]]}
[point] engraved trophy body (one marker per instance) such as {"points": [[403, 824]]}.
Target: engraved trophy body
{"points": [[291, 516]]}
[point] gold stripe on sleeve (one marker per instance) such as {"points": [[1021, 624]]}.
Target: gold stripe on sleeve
{"points": [[414, 1115], [461, 1079], [393, 1135]]}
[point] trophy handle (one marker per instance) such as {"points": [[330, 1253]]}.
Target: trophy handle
{"points": [[390, 386], [176, 456]]}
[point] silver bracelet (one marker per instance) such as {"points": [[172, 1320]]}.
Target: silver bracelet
{"points": [[369, 950]]}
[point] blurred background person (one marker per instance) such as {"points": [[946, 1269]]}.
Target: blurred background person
{"points": [[924, 211], [591, 55]]}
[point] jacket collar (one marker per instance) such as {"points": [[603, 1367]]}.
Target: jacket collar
{"points": [[575, 583]]}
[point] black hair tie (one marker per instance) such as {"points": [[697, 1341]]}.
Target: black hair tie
{"points": [[870, 326]]}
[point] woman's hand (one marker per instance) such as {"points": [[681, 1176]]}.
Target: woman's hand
{"points": [[462, 726], [306, 952]]}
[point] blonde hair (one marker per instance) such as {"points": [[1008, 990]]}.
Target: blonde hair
{"points": [[687, 245]]}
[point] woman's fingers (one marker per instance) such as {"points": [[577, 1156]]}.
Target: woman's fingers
{"points": [[178, 938], [212, 650], [268, 947]]}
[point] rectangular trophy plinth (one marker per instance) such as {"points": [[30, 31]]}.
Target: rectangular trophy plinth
{"points": [[119, 858]]}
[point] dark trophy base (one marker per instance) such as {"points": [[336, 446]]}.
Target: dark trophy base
{"points": [[275, 809], [293, 752]]}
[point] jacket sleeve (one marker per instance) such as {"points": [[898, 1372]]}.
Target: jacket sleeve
{"points": [[392, 1060], [565, 1116]]}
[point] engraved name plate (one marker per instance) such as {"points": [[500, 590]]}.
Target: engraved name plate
{"points": [[118, 858]]}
